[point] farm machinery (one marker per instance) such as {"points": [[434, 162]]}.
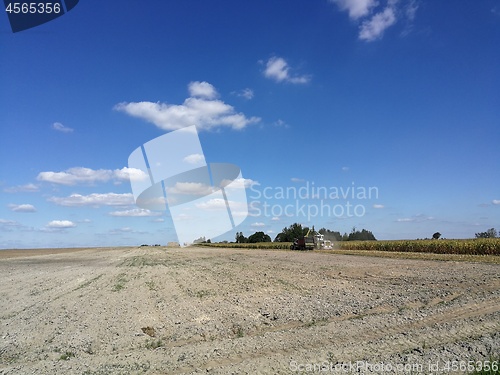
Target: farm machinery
{"points": [[312, 240]]}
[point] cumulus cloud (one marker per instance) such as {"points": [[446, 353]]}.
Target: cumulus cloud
{"points": [[278, 69], [195, 159], [495, 201], [378, 206], [61, 224], [296, 179], [202, 90], [239, 183], [201, 109], [61, 128], [81, 175], [213, 204], [22, 208], [136, 212], [94, 200]]}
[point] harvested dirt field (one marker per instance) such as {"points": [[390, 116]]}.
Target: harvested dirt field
{"points": [[229, 311]]}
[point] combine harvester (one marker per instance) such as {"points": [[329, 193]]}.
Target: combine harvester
{"points": [[312, 240]]}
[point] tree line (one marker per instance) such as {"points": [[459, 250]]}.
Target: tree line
{"points": [[289, 234]]}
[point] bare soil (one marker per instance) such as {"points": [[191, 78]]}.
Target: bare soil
{"points": [[232, 311]]}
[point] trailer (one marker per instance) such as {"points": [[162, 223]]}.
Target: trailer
{"points": [[303, 243]]}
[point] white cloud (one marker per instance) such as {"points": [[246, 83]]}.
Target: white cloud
{"points": [[96, 200], [239, 183], [296, 179], [356, 8], [275, 218], [81, 175], [201, 109], [375, 27], [202, 90], [281, 124], [257, 224], [131, 174], [411, 10], [213, 204], [61, 128], [190, 188], [376, 16], [378, 206], [495, 201], [195, 159], [245, 93], [277, 69], [28, 188], [415, 219], [9, 223], [22, 208], [61, 224], [136, 212], [75, 176]]}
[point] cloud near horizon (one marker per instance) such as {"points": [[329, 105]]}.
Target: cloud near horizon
{"points": [[88, 176], [201, 109], [22, 208]]}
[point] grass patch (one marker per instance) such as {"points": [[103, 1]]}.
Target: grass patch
{"points": [[200, 293], [120, 283], [66, 356], [87, 283], [238, 331], [154, 344], [144, 261], [151, 285]]}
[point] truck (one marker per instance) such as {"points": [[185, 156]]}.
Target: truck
{"points": [[312, 240]]}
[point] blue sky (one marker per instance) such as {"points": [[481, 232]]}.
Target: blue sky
{"points": [[402, 96]]}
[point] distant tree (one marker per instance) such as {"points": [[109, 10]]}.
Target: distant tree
{"points": [[436, 235], [291, 233], [200, 240], [363, 235], [490, 233], [330, 235], [240, 238], [259, 237]]}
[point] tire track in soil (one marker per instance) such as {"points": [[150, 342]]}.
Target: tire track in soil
{"points": [[375, 342]]}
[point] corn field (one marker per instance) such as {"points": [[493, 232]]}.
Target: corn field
{"points": [[258, 245], [477, 246]]}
